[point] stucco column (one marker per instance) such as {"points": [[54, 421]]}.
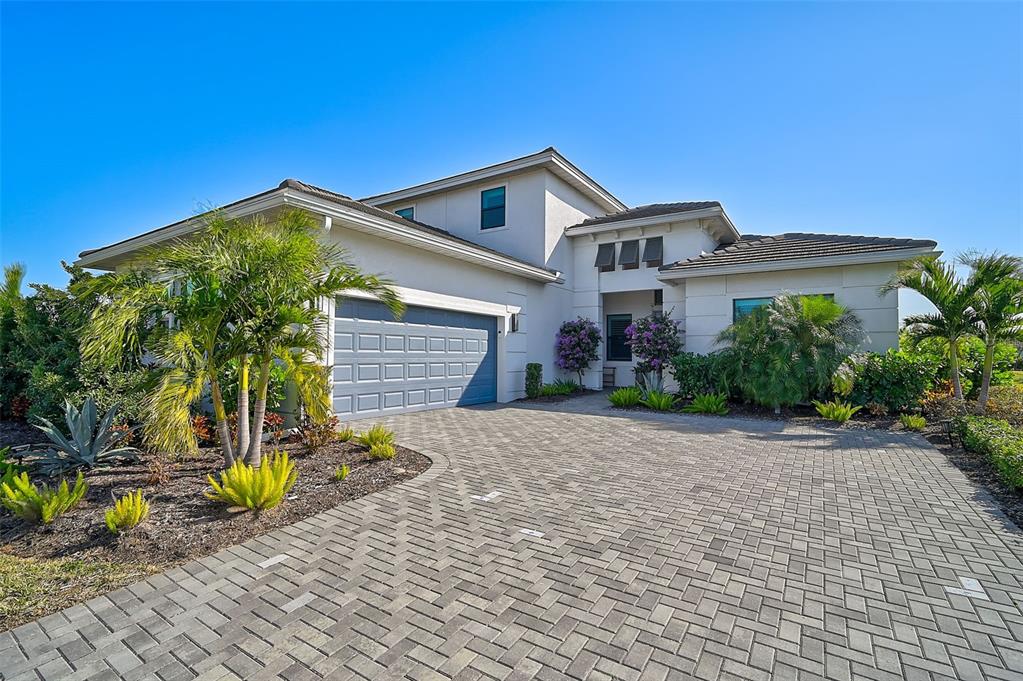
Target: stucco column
{"points": [[674, 306]]}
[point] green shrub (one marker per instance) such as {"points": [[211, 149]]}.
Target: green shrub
{"points": [[1006, 402], [40, 504], [346, 434], [89, 445], [697, 374], [789, 351], [659, 401], [895, 379], [708, 403], [534, 379], [382, 450], [377, 435], [128, 512], [836, 411], [626, 397], [558, 387], [257, 489], [342, 472], [998, 441], [913, 422], [933, 352]]}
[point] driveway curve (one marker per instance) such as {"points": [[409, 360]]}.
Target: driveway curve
{"points": [[571, 541]]}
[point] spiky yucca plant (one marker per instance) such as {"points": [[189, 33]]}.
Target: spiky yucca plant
{"points": [[40, 504], [128, 512], [257, 489]]}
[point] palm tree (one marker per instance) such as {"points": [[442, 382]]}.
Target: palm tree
{"points": [[998, 309], [956, 316], [292, 271], [789, 351]]}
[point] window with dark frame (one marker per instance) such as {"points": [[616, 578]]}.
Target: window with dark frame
{"points": [[653, 251], [629, 257], [605, 261], [658, 296], [617, 349], [492, 208], [407, 213]]}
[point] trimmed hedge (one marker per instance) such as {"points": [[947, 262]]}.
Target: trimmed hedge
{"points": [[894, 379], [697, 374], [534, 379], [998, 441]]}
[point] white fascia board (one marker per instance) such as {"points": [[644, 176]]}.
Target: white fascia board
{"points": [[799, 264], [412, 296], [240, 210], [551, 159], [438, 244], [650, 221]]}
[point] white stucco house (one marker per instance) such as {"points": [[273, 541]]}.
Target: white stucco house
{"points": [[493, 260]]}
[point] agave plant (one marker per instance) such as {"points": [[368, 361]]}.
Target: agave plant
{"points": [[89, 444]]}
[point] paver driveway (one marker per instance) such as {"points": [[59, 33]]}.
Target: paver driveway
{"points": [[672, 547]]}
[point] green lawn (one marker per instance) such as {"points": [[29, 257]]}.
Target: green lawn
{"points": [[30, 588]]}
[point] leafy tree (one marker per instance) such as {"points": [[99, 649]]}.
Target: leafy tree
{"points": [[655, 340], [789, 351], [998, 308], [955, 318], [576, 345], [12, 303]]}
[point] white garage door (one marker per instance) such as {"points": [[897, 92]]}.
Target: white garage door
{"points": [[431, 358]]}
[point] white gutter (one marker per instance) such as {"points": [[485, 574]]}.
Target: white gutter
{"points": [[798, 264]]}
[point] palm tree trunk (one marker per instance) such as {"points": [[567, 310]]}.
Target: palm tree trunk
{"points": [[243, 404], [985, 381], [223, 432], [254, 455], [953, 366]]}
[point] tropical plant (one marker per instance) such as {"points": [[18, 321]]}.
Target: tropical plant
{"points": [[650, 381], [576, 345], [534, 379], [127, 513], [998, 441], [998, 308], [659, 401], [8, 469], [257, 489], [913, 422], [836, 411], [654, 340], [12, 302], [315, 435], [236, 291], [789, 351], [342, 472], [345, 434], [708, 403], [557, 388], [955, 318], [42, 503], [377, 435], [89, 444], [1006, 402], [381, 450], [896, 379], [697, 374], [626, 397]]}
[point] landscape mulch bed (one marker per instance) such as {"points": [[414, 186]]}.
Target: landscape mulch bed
{"points": [[183, 524], [558, 398]]}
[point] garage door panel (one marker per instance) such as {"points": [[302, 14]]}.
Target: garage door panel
{"points": [[431, 358]]}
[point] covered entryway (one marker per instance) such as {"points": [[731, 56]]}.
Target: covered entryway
{"points": [[431, 358]]}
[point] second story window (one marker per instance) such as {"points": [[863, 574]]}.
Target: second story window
{"points": [[407, 213], [629, 256], [492, 208]]}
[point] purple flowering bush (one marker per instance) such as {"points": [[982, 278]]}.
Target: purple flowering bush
{"points": [[576, 345], [654, 339]]}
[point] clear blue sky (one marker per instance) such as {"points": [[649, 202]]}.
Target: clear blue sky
{"points": [[889, 119]]}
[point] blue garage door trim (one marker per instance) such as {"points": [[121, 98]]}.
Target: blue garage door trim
{"points": [[429, 359]]}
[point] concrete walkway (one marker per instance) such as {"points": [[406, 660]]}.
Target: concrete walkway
{"points": [[573, 541]]}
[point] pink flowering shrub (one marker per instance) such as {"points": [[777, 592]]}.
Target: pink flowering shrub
{"points": [[654, 339], [576, 345]]}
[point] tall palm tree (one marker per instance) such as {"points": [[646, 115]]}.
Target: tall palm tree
{"points": [[998, 280], [293, 269], [956, 317]]}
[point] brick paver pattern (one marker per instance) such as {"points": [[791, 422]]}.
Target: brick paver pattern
{"points": [[672, 547]]}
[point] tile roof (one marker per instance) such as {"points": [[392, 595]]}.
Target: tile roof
{"points": [[754, 248], [649, 211]]}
